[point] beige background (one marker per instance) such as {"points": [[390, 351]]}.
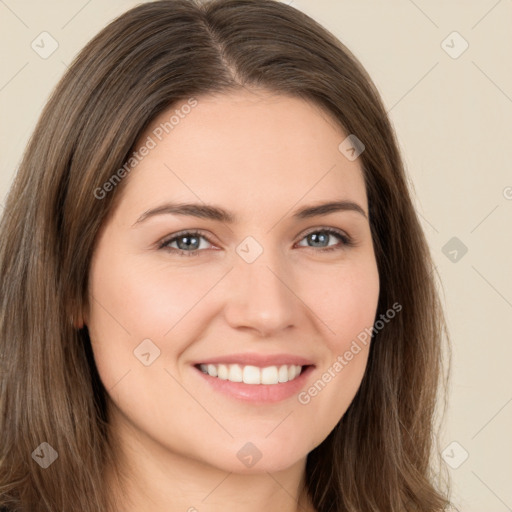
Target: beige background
{"points": [[453, 117]]}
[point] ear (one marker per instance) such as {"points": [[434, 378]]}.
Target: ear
{"points": [[79, 321], [77, 324]]}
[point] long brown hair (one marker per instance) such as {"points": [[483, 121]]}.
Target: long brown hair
{"points": [[379, 456]]}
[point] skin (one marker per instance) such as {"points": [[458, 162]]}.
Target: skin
{"points": [[261, 156]]}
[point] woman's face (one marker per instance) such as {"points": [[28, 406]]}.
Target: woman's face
{"points": [[175, 287]]}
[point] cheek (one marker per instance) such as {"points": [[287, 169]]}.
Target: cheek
{"points": [[346, 303], [131, 302], [344, 299]]}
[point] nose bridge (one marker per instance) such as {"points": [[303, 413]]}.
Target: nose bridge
{"points": [[260, 296]]}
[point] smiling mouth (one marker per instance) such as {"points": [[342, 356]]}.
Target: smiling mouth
{"points": [[249, 374]]}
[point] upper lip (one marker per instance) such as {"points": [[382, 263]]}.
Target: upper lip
{"points": [[260, 360]]}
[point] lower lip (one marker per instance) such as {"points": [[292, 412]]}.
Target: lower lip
{"points": [[262, 393]]}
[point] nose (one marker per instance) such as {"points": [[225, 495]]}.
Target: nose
{"points": [[260, 296]]}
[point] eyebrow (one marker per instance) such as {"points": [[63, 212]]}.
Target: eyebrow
{"points": [[217, 213]]}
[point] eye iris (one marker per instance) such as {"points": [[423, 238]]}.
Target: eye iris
{"points": [[319, 236], [188, 244]]}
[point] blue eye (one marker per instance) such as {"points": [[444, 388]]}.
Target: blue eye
{"points": [[320, 235], [189, 242]]}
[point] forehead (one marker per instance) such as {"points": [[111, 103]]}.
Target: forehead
{"points": [[249, 149]]}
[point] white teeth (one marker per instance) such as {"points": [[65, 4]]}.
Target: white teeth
{"points": [[283, 374], [252, 374], [270, 374], [235, 373], [222, 371]]}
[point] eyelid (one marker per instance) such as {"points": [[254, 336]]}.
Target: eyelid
{"points": [[328, 229], [346, 239], [199, 232]]}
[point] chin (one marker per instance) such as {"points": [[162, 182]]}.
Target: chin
{"points": [[259, 456]]}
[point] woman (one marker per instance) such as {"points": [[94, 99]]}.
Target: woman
{"points": [[268, 371]]}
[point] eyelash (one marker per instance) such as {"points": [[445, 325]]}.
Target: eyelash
{"points": [[164, 245]]}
